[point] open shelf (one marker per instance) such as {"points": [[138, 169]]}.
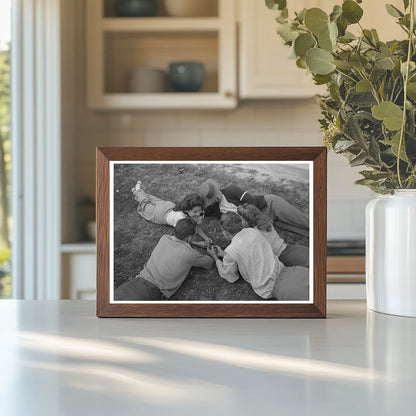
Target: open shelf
{"points": [[116, 46]]}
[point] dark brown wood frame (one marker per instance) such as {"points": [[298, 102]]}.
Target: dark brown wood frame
{"points": [[317, 309]]}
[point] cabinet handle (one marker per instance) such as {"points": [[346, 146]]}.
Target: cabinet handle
{"points": [[229, 94]]}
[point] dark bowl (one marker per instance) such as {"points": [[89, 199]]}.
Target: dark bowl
{"points": [[135, 8], [186, 76]]}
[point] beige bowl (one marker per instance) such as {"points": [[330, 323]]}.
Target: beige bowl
{"points": [[191, 8], [147, 80], [92, 230]]}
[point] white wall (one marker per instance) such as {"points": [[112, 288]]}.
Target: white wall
{"points": [[253, 123]]}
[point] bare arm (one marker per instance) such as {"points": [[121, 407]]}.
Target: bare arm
{"points": [[227, 268], [202, 234]]}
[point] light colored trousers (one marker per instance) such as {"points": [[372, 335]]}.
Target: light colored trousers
{"points": [[152, 208]]}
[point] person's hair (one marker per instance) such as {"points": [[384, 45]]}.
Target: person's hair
{"points": [[189, 202], [254, 217], [184, 228], [231, 222]]}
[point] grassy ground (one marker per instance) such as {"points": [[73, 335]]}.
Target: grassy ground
{"points": [[135, 238]]}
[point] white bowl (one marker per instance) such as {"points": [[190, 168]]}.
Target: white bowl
{"points": [[191, 8], [147, 80], [92, 230]]}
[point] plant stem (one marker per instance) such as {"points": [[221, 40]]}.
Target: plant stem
{"points": [[405, 81]]}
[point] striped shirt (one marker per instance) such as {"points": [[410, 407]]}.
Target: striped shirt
{"points": [[251, 255]]}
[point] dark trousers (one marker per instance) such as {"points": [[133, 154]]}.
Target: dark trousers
{"points": [[137, 289]]}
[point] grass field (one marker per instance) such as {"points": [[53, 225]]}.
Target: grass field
{"points": [[135, 238]]}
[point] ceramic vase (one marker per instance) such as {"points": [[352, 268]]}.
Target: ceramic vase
{"points": [[391, 253]]}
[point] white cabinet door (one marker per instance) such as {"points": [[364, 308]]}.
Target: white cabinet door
{"points": [[265, 69], [264, 66], [78, 276]]}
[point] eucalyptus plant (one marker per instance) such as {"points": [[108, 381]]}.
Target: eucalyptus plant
{"points": [[369, 111]]}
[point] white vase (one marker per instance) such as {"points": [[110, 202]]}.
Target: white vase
{"points": [[391, 253]]}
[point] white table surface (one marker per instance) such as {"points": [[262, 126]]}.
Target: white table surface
{"points": [[57, 358]]}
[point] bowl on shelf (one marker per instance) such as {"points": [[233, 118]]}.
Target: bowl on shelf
{"points": [[91, 230], [186, 76], [191, 8], [147, 80], [135, 8]]}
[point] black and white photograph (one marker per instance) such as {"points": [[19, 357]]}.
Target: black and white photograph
{"points": [[208, 231]]}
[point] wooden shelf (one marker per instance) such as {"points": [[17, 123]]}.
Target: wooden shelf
{"points": [[346, 269], [160, 24], [346, 264]]}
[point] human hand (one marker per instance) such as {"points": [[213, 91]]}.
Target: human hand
{"points": [[211, 250], [219, 251], [208, 240], [204, 244]]}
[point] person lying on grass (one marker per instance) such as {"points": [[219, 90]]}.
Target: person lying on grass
{"points": [[219, 201], [167, 267], [288, 254], [251, 256], [159, 211]]}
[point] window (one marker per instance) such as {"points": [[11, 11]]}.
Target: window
{"points": [[5, 147]]}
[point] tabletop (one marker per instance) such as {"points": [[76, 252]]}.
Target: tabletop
{"points": [[57, 358]]}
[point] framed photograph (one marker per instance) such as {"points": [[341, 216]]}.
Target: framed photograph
{"points": [[211, 232]]}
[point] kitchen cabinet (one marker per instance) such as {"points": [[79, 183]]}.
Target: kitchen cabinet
{"points": [[118, 45], [78, 263], [265, 70]]}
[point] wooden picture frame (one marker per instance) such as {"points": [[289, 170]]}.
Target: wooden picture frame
{"points": [[112, 162]]}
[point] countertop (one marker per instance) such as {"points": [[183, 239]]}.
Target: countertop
{"points": [[57, 358]]}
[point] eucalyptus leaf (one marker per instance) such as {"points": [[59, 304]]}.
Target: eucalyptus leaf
{"points": [[363, 86], [336, 12], [395, 147], [343, 145], [375, 35], [301, 63], [351, 11], [325, 42], [384, 62], [345, 65], [411, 90], [276, 4], [347, 37], [374, 174], [301, 15], [321, 79], [391, 114], [358, 61], [358, 160], [393, 11], [316, 20], [287, 33], [333, 32], [303, 43], [319, 61]]}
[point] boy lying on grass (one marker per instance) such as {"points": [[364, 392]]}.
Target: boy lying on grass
{"points": [[167, 267], [159, 211]]}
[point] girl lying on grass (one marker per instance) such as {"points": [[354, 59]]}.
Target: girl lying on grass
{"points": [[159, 211], [288, 254]]}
